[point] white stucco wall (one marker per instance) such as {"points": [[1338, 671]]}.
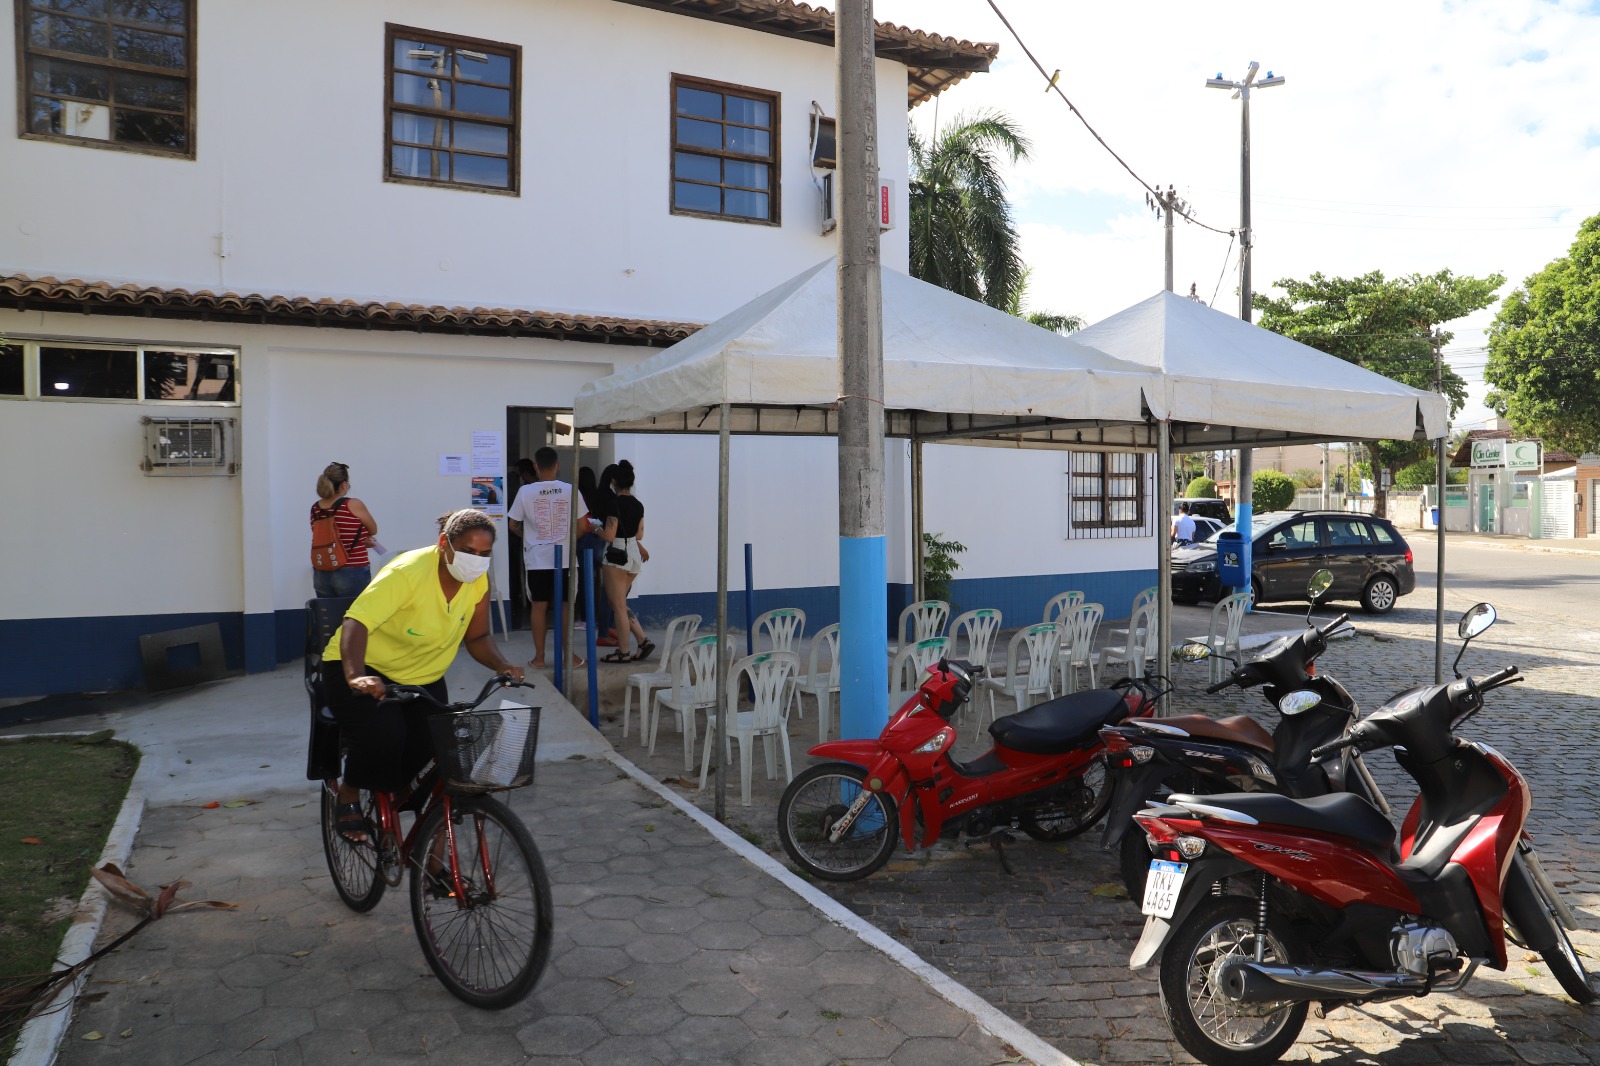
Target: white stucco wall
{"points": [[290, 168]]}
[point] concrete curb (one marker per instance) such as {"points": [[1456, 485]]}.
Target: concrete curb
{"points": [[40, 1040], [990, 1018]]}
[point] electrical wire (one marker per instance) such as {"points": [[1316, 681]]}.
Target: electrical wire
{"points": [[1178, 209], [1223, 272]]}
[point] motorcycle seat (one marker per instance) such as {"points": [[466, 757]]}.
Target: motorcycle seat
{"points": [[1238, 729], [1339, 814], [1059, 725]]}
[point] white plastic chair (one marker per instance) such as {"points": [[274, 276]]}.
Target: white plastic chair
{"points": [[1145, 599], [1079, 627], [910, 663], [770, 673], [1057, 608], [1142, 635], [978, 629], [693, 688], [819, 682], [926, 618], [681, 628], [1040, 641], [1227, 618], [784, 629]]}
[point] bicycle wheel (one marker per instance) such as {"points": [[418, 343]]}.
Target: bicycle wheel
{"points": [[488, 946], [814, 803], [354, 867]]}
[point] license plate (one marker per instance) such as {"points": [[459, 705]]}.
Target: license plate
{"points": [[1161, 888]]}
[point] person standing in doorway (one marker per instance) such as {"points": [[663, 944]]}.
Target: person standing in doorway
{"points": [[542, 515], [355, 528], [625, 555]]}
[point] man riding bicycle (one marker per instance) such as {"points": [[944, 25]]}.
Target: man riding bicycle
{"points": [[405, 629]]}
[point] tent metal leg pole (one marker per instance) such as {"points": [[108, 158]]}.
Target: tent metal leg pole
{"points": [[719, 742], [1164, 552], [919, 591], [574, 577], [1244, 486], [1438, 572]]}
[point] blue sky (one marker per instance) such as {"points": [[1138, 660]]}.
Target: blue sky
{"points": [[1409, 137]]}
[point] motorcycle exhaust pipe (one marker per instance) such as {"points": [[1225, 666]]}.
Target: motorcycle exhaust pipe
{"points": [[1245, 981]]}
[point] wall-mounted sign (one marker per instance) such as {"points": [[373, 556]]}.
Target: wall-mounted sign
{"points": [[1522, 455], [1489, 453]]}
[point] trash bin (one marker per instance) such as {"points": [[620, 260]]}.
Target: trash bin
{"points": [[1230, 560], [1435, 512]]}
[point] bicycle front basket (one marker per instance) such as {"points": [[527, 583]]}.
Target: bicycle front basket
{"points": [[486, 750]]}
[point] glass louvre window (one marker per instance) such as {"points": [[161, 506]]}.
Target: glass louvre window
{"points": [[11, 376], [725, 151], [452, 111], [198, 376], [119, 72], [1107, 489], [100, 373]]}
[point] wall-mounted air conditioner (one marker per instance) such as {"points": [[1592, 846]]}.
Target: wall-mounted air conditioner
{"points": [[192, 447]]}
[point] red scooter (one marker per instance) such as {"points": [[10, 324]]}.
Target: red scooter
{"points": [[1045, 774], [1331, 918]]}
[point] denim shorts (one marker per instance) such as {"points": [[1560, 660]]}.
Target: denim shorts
{"points": [[344, 583]]}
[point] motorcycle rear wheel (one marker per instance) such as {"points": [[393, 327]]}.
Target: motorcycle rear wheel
{"points": [[813, 804], [1074, 807], [1565, 965]]}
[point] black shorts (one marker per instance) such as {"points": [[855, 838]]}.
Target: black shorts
{"points": [[541, 586]]}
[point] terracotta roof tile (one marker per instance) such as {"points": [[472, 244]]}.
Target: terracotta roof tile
{"points": [[48, 293], [934, 62]]}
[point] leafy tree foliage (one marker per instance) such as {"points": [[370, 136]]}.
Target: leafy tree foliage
{"points": [[1050, 320], [1544, 349], [962, 235], [1201, 488], [1425, 472], [1385, 325], [1272, 490]]}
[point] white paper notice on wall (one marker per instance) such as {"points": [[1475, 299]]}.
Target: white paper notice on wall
{"points": [[452, 463], [488, 453]]}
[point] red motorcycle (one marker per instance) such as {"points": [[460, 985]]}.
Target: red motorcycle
{"points": [[1045, 775], [1332, 918]]}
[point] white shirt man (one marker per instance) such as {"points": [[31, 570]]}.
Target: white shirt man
{"points": [[1183, 525], [542, 515]]}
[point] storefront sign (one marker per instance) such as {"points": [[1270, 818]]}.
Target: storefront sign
{"points": [[1522, 455], [1489, 453]]}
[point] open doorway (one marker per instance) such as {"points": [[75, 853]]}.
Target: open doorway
{"points": [[527, 430]]}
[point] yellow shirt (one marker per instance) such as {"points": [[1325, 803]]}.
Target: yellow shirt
{"points": [[412, 633]]}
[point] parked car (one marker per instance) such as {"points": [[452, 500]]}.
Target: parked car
{"points": [[1207, 506], [1370, 560]]}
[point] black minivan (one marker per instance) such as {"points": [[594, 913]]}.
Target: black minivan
{"points": [[1368, 557]]}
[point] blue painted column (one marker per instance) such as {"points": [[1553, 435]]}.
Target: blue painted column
{"points": [[863, 636], [1241, 521]]}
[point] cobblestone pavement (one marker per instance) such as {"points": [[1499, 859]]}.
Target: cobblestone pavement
{"points": [[668, 947], [1050, 950]]}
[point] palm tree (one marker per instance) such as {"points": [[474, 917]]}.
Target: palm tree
{"points": [[1050, 320], [962, 237]]}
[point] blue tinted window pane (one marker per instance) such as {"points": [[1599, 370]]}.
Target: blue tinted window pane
{"points": [[167, 14], [746, 204], [151, 49], [45, 115], [749, 142], [696, 197], [418, 55], [147, 127], [424, 92], [749, 175], [476, 137], [700, 103], [420, 163], [749, 112], [483, 66], [420, 129], [69, 35], [483, 100], [483, 170], [95, 8], [146, 90], [698, 167], [71, 79], [699, 134]]}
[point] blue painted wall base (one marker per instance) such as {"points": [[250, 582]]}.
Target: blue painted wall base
{"points": [[863, 647]]}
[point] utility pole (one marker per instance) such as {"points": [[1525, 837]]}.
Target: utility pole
{"points": [[1166, 202], [863, 552], [1164, 479], [1244, 487], [1444, 476]]}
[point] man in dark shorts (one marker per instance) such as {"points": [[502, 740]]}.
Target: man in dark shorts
{"points": [[542, 516]]}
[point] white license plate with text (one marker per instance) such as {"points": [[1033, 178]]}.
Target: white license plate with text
{"points": [[1161, 888]]}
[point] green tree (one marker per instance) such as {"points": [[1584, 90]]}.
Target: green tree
{"points": [[1386, 325], [1544, 349], [1306, 478], [1272, 490], [1050, 320], [1424, 472], [962, 235], [939, 565], [1201, 488]]}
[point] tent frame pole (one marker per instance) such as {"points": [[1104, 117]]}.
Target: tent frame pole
{"points": [[720, 741], [1164, 553], [918, 580]]}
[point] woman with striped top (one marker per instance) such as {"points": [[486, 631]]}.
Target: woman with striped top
{"points": [[357, 529]]}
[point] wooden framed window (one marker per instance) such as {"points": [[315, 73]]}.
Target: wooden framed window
{"points": [[451, 113], [1108, 491], [108, 73], [724, 151]]}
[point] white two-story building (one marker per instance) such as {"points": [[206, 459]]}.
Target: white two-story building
{"points": [[244, 240]]}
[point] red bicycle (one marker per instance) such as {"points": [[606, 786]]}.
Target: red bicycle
{"points": [[480, 898]]}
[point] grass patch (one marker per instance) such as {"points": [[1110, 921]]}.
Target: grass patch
{"points": [[74, 788]]}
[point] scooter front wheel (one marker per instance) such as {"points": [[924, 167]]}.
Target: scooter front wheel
{"points": [[809, 818]]}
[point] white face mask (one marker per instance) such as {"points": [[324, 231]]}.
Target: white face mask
{"points": [[467, 568]]}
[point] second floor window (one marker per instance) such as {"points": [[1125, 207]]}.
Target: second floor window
{"points": [[452, 111], [109, 73], [724, 151]]}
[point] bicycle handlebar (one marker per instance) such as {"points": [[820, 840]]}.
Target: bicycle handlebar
{"points": [[412, 692]]}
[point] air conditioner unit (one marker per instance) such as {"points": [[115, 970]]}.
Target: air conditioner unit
{"points": [[193, 447], [826, 188]]}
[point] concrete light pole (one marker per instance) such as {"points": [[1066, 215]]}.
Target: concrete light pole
{"points": [[1244, 485]]}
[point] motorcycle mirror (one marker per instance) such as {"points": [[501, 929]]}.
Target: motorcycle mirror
{"points": [[1192, 652], [1320, 582], [1298, 702], [1479, 617]]}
